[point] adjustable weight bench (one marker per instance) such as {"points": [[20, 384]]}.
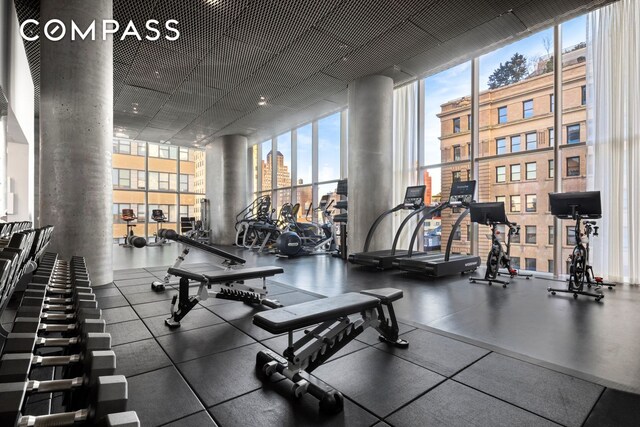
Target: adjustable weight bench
{"points": [[232, 287], [335, 330]]}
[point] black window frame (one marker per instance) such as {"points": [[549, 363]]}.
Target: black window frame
{"points": [[526, 171], [571, 131], [526, 203], [573, 171], [501, 116], [525, 109], [535, 140], [527, 234]]}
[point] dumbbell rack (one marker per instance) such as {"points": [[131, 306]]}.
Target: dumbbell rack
{"points": [[59, 330]]}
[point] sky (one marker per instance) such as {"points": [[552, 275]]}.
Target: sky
{"points": [[456, 82]]}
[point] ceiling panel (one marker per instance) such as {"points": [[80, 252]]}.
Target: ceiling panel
{"points": [[298, 55]]}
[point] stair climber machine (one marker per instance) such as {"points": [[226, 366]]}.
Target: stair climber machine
{"points": [[383, 259], [302, 239], [443, 264]]}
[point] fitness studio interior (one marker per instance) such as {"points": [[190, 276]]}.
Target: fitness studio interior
{"points": [[320, 213]]}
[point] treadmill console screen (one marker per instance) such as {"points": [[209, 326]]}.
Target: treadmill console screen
{"points": [[462, 192], [414, 197]]}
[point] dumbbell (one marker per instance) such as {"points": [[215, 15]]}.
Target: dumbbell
{"points": [[18, 342], [83, 301], [94, 362], [70, 291], [62, 297], [109, 396], [33, 325], [81, 314]]}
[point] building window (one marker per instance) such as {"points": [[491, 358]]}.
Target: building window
{"points": [[552, 235], [531, 170], [530, 234], [530, 264], [530, 202], [551, 168], [502, 199], [551, 103], [501, 174], [571, 235], [573, 134], [550, 266], [469, 232], [457, 234], [532, 141], [122, 178], [552, 138], [501, 145], [515, 262], [456, 125], [515, 203], [184, 183], [527, 109], [515, 172], [515, 238], [573, 166], [583, 95], [456, 153], [468, 121], [456, 176], [502, 115], [515, 144]]}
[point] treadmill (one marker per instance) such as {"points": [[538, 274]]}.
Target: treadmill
{"points": [[443, 264], [383, 259]]}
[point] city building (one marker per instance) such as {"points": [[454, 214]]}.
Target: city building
{"points": [[515, 158]]}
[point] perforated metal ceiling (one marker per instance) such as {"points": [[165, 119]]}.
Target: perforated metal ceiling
{"points": [[294, 56]]}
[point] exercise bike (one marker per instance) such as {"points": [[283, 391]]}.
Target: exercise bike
{"points": [[493, 215], [580, 207]]}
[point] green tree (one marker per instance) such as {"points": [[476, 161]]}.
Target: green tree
{"points": [[512, 71]]}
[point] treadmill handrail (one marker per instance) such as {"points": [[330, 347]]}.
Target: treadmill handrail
{"points": [[425, 217], [404, 222], [377, 222], [455, 227]]}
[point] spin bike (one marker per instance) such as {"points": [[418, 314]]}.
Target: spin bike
{"points": [[493, 215], [581, 207]]}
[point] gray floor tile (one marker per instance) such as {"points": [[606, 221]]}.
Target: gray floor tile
{"points": [[223, 376], [200, 419], [117, 276], [160, 397], [136, 289], [370, 335], [615, 409], [559, 397], [193, 320], [246, 325], [452, 404], [158, 308], [118, 315], [292, 298], [235, 310], [126, 332], [102, 292], [139, 357], [436, 352], [150, 296], [125, 283], [112, 302], [377, 380], [273, 405], [201, 342]]}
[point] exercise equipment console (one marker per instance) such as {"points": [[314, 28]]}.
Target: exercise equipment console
{"points": [[336, 329]]}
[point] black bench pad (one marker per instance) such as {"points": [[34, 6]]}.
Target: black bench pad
{"points": [[309, 313], [226, 276], [386, 295]]}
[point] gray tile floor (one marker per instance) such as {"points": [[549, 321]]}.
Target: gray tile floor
{"points": [[204, 372]]}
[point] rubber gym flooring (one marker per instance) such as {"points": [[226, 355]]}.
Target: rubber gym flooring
{"points": [[478, 355]]}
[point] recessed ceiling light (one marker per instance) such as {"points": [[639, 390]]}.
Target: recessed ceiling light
{"points": [[262, 101]]}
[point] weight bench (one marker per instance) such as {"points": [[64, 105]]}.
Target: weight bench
{"points": [[232, 287], [335, 330]]}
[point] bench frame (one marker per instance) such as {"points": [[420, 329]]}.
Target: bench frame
{"points": [[231, 290], [320, 344]]}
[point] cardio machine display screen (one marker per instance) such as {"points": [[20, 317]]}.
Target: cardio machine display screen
{"points": [[414, 193], [462, 191]]}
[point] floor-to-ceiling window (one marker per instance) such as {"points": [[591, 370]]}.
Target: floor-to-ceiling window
{"points": [[148, 177], [447, 123]]}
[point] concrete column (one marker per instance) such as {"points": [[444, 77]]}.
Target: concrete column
{"points": [[370, 160], [76, 126], [226, 185]]}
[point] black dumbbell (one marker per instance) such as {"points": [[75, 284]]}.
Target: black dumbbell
{"points": [[53, 291], [28, 342], [94, 362], [83, 301], [60, 298], [109, 396], [33, 325], [36, 311]]}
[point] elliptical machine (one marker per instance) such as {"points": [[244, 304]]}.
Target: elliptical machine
{"points": [[493, 215], [301, 239], [579, 206]]}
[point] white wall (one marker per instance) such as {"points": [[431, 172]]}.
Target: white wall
{"points": [[18, 181]]}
